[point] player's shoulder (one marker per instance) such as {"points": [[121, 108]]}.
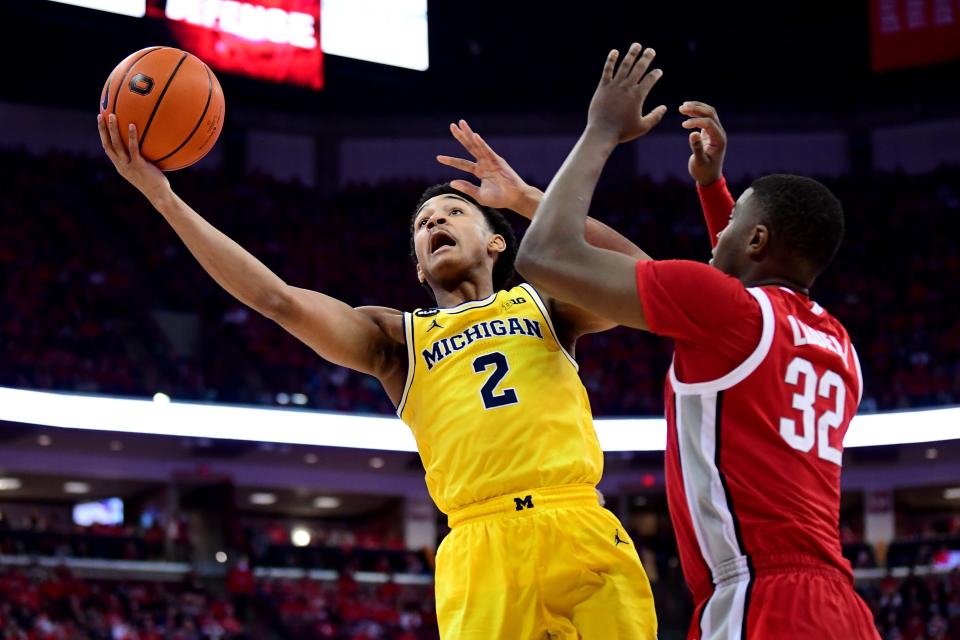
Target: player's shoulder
{"points": [[685, 268], [687, 278]]}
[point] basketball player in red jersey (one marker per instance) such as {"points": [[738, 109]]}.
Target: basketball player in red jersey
{"points": [[763, 384]]}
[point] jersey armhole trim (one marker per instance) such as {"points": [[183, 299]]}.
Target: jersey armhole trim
{"points": [[546, 315], [856, 362], [411, 361], [745, 368]]}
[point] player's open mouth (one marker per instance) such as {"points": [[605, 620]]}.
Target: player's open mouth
{"points": [[441, 239]]}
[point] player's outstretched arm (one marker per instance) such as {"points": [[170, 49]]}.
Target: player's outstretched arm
{"points": [[502, 188], [554, 253], [367, 339], [708, 146]]}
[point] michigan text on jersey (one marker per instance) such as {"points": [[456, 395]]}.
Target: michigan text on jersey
{"points": [[443, 347]]}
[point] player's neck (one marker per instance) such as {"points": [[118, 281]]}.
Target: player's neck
{"points": [[465, 291], [775, 275], [777, 282]]}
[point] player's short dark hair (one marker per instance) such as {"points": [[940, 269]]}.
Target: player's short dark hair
{"points": [[805, 218], [503, 267]]}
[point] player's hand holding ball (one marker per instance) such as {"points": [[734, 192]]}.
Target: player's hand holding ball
{"points": [[708, 144], [123, 149], [617, 105], [161, 109]]}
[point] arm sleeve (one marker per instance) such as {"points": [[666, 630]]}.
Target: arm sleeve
{"points": [[717, 204], [713, 319]]}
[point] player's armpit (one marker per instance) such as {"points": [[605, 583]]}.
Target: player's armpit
{"points": [[366, 339], [572, 321]]}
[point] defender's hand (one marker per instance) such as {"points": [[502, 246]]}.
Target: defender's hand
{"points": [[617, 105], [708, 145], [146, 177], [500, 186]]}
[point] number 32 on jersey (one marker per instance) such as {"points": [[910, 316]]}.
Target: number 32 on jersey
{"points": [[813, 429]]}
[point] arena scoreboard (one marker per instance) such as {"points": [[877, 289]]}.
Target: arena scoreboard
{"points": [[284, 41]]}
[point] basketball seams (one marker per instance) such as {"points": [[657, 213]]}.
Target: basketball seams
{"points": [[181, 110], [203, 115], [156, 105], [123, 80]]}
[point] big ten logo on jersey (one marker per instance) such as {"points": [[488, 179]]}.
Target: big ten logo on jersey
{"points": [[507, 304]]}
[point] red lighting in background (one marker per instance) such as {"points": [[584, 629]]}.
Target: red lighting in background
{"points": [[649, 480], [913, 33], [274, 40]]}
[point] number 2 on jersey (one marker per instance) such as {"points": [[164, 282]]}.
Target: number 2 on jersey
{"points": [[810, 434], [491, 399]]}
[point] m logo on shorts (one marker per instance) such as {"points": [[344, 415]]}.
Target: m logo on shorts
{"points": [[524, 503]]}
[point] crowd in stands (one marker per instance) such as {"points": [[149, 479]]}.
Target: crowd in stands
{"points": [[46, 534], [92, 280], [915, 608], [334, 546], [306, 609], [331, 546], [52, 604], [378, 534]]}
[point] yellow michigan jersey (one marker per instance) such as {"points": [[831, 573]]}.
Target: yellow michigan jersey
{"points": [[495, 402], [505, 433]]}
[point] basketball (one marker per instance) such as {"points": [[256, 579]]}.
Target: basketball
{"points": [[173, 98]]}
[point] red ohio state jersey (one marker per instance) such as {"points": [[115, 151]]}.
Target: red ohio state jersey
{"points": [[754, 447]]}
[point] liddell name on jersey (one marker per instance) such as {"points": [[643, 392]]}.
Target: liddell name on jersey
{"points": [[803, 334], [442, 348]]}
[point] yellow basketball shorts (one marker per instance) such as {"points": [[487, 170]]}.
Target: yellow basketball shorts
{"points": [[546, 564]]}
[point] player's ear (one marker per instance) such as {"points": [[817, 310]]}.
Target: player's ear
{"points": [[759, 241], [420, 275], [497, 243]]}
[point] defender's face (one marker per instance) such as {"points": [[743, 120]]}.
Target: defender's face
{"points": [[731, 253], [450, 236]]}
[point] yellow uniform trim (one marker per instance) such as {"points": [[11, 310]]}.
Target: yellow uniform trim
{"points": [[546, 316], [411, 360]]}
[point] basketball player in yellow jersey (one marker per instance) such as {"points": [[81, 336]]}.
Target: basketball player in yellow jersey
{"points": [[487, 382]]}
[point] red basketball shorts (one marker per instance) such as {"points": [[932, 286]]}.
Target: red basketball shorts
{"points": [[784, 599]]}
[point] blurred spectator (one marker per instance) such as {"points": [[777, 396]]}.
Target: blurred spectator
{"points": [[240, 586]]}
